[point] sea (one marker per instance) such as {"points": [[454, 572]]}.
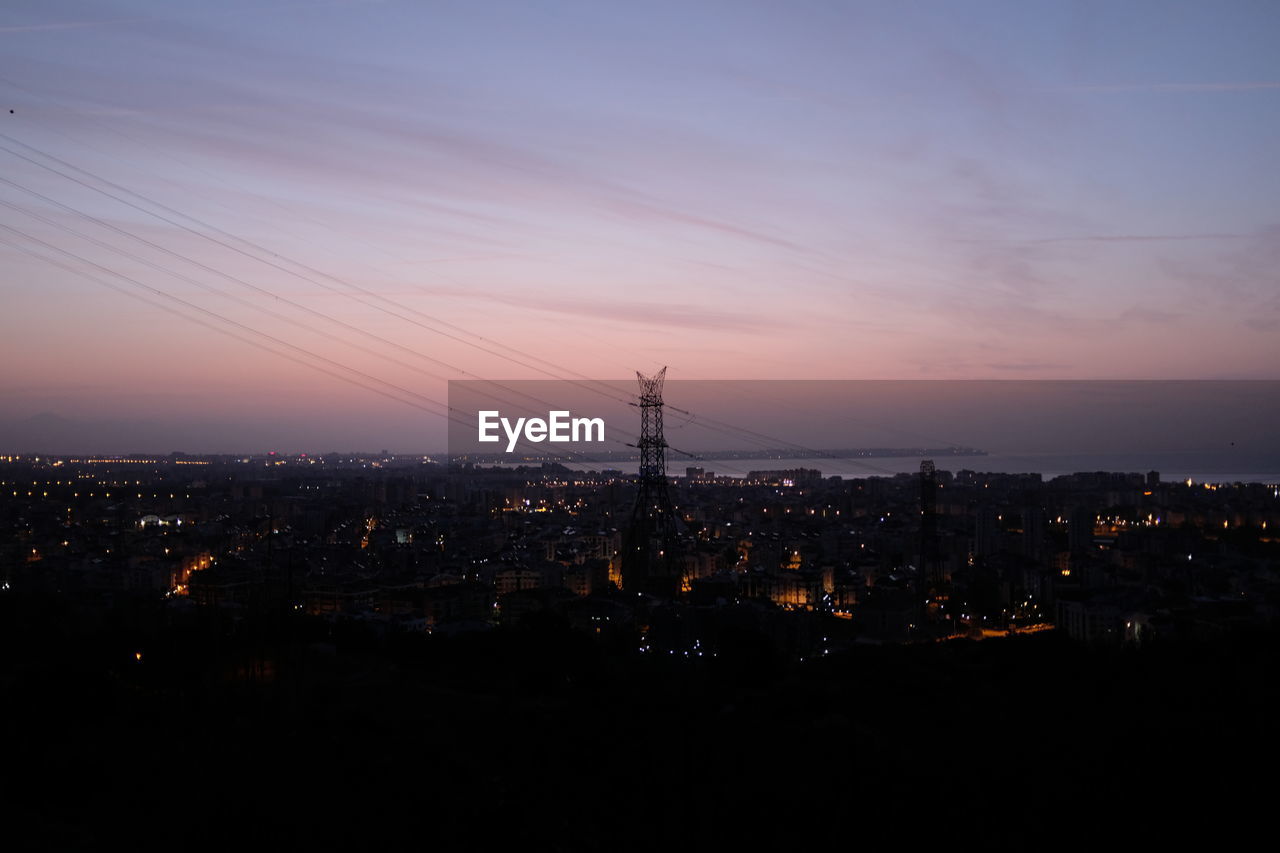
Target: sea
{"points": [[1199, 467]]}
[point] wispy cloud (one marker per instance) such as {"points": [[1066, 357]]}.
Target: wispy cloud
{"points": [[1028, 366], [1153, 316], [1139, 238], [1242, 86], [1103, 238], [66, 25], [664, 315], [1243, 282]]}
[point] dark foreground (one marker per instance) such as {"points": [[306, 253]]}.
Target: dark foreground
{"points": [[285, 734]]}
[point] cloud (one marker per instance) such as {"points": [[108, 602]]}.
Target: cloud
{"points": [[1247, 86], [666, 315], [1029, 366], [1241, 282], [1138, 238], [1149, 315], [657, 213], [449, 163], [68, 25]]}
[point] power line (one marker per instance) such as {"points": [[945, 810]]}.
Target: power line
{"points": [[234, 298], [261, 249], [367, 381], [711, 423], [256, 288]]}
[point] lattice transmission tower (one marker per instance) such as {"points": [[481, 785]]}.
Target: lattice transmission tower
{"points": [[649, 560]]}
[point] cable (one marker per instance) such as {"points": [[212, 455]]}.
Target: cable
{"points": [[712, 423], [234, 298], [269, 263]]}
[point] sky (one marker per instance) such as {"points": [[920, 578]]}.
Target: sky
{"points": [[234, 226]]}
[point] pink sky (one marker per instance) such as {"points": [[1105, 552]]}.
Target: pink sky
{"points": [[737, 193]]}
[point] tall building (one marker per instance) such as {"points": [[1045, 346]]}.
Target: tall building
{"points": [[1080, 530], [1033, 533], [986, 532]]}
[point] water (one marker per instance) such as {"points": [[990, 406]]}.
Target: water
{"points": [[1207, 467]]}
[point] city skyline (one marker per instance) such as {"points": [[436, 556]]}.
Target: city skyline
{"points": [[380, 197]]}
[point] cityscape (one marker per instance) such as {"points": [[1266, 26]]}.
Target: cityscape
{"points": [[406, 545], [588, 426], [272, 600]]}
